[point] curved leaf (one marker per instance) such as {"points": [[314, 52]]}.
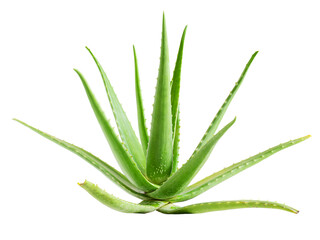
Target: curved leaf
{"points": [[114, 175], [126, 131], [125, 160], [223, 205], [119, 204], [144, 137], [218, 177], [175, 84], [217, 119]]}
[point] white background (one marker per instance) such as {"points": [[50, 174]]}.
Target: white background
{"points": [[42, 41]]}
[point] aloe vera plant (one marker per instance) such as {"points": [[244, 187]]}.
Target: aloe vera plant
{"points": [[150, 165]]}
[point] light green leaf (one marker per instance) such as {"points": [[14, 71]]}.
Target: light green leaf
{"points": [[218, 177], [119, 204], [127, 134], [144, 137], [103, 167], [175, 86], [159, 155], [125, 160], [180, 180], [176, 147], [216, 121], [223, 205]]}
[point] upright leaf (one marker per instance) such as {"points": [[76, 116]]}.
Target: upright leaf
{"points": [[119, 204], [144, 137], [180, 180], [125, 160], [103, 167], [176, 147], [159, 155], [127, 134], [175, 86], [218, 177], [216, 121], [223, 205]]}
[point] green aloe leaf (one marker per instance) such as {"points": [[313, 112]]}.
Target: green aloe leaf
{"points": [[119, 204], [159, 156], [176, 141], [217, 119], [175, 84], [180, 180], [223, 205], [144, 137], [125, 160], [218, 177], [103, 167], [126, 131]]}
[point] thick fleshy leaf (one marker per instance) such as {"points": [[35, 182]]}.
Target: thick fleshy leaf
{"points": [[180, 180], [103, 167], [223, 205], [126, 131], [218, 177], [144, 137], [125, 160], [159, 155], [175, 86], [217, 119], [176, 147], [119, 204]]}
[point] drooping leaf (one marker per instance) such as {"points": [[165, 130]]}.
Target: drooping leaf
{"points": [[175, 86], [217, 119], [176, 147], [103, 167], [180, 180], [159, 155], [218, 177], [119, 204], [144, 137], [126, 131], [223, 205]]}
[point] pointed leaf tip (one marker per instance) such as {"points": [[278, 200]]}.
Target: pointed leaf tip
{"points": [[159, 153], [226, 173], [143, 132], [117, 203], [126, 131]]}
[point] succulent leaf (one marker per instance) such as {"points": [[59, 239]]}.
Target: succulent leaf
{"points": [[176, 141], [175, 84], [159, 155], [126, 131], [218, 177], [180, 180], [150, 166], [114, 175], [223, 205], [144, 137], [125, 160], [217, 119], [119, 204]]}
